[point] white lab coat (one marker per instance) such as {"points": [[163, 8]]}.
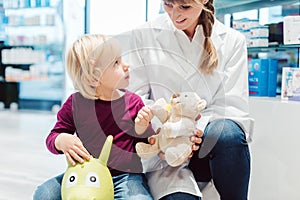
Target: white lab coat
{"points": [[164, 61]]}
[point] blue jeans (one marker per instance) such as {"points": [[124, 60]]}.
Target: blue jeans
{"points": [[131, 186], [126, 186], [224, 157], [180, 196]]}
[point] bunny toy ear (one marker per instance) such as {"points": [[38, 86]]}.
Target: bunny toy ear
{"points": [[104, 155]]}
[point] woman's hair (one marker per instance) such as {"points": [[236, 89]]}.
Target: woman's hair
{"points": [[209, 58], [87, 58]]}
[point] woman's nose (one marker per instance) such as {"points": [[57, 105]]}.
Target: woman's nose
{"points": [[175, 10]]}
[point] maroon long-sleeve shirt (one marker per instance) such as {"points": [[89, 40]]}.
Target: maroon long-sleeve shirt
{"points": [[94, 120]]}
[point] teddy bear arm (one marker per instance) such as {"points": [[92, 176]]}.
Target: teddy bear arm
{"points": [[159, 110]]}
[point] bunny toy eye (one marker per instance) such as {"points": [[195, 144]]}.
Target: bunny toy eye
{"points": [[72, 180], [92, 179]]}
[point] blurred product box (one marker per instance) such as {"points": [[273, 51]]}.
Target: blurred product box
{"points": [[262, 77], [276, 32], [259, 42], [291, 29], [256, 34], [237, 24], [290, 89], [245, 23], [249, 23], [259, 31]]}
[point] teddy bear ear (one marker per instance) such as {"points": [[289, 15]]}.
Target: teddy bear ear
{"points": [[175, 95]]}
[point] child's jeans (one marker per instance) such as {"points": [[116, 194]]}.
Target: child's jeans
{"points": [[126, 186]]}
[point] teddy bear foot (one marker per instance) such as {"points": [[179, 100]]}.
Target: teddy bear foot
{"points": [[145, 150], [175, 159]]}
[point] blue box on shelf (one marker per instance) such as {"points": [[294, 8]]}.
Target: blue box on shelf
{"points": [[262, 77], [272, 77]]}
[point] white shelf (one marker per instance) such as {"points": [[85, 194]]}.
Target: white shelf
{"points": [[274, 100]]}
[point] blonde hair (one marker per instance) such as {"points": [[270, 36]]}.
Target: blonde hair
{"points": [[87, 58], [209, 59]]}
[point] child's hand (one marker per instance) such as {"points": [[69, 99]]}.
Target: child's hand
{"points": [[143, 119], [144, 116], [72, 147]]}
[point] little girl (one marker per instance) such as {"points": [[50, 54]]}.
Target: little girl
{"points": [[101, 107]]}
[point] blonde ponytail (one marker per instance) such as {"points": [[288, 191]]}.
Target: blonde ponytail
{"points": [[209, 59]]}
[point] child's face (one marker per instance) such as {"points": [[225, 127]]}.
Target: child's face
{"points": [[115, 75]]}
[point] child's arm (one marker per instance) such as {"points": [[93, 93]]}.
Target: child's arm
{"points": [[142, 120], [72, 147]]}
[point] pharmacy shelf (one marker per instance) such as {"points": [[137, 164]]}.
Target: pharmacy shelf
{"points": [[274, 48], [42, 28], [231, 6]]}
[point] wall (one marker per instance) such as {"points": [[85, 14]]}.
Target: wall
{"points": [[74, 28]]}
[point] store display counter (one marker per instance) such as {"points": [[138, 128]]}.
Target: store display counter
{"points": [[275, 148]]}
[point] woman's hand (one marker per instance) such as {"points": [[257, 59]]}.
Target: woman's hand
{"points": [[72, 147], [197, 140]]}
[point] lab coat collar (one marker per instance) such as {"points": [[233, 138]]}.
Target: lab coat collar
{"points": [[218, 34], [166, 40]]}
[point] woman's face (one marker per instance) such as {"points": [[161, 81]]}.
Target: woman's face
{"points": [[184, 15]]}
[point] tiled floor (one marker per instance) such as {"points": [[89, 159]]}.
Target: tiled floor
{"points": [[25, 161]]}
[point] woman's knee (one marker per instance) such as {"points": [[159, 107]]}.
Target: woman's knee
{"points": [[219, 134], [225, 131]]}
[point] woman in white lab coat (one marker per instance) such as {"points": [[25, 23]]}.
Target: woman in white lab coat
{"points": [[187, 49]]}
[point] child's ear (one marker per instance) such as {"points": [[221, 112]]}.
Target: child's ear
{"points": [[93, 62]]}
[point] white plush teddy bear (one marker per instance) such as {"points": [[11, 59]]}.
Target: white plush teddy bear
{"points": [[179, 120]]}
